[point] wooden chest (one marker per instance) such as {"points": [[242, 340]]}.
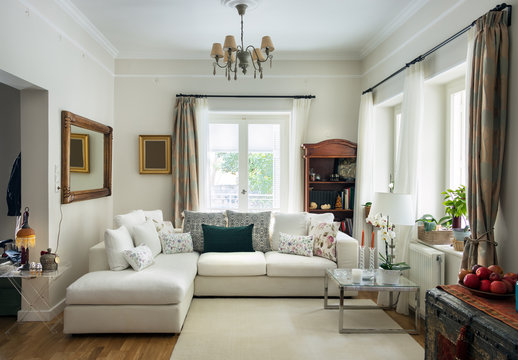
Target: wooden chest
{"points": [[488, 338]]}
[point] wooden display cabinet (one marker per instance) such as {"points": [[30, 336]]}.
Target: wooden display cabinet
{"points": [[325, 158]]}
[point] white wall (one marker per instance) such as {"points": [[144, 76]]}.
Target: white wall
{"points": [[436, 21], [9, 149], [43, 46], [145, 96]]}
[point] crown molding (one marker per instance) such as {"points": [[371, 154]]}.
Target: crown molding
{"points": [[391, 27], [86, 25]]}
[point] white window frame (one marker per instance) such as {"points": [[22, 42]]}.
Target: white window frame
{"points": [[243, 119], [397, 133], [452, 88]]}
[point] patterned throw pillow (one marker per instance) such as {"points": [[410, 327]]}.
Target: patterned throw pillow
{"points": [[296, 244], [192, 223], [139, 257], [175, 243], [324, 235], [261, 232]]}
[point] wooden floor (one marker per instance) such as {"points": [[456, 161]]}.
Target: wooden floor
{"points": [[27, 341]]}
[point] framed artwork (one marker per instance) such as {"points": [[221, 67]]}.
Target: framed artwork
{"points": [[155, 154], [79, 156]]}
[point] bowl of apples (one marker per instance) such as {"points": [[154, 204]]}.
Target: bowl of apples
{"points": [[489, 282]]}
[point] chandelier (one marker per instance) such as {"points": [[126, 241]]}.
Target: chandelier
{"points": [[245, 56]]}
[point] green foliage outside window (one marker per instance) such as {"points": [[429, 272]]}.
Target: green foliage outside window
{"points": [[260, 170]]}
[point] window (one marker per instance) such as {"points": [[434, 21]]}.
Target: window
{"points": [[458, 134], [397, 132], [247, 161]]}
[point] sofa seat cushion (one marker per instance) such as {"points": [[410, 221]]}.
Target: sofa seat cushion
{"points": [[232, 264], [289, 265], [167, 281]]}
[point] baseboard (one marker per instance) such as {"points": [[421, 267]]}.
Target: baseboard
{"points": [[42, 315]]}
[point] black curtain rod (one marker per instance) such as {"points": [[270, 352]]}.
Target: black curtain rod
{"points": [[250, 96], [500, 7]]}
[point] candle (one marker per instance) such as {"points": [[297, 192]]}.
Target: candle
{"points": [[363, 238], [372, 241], [357, 275]]}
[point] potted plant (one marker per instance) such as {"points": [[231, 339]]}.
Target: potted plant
{"points": [[389, 271], [367, 208], [455, 206], [428, 221]]}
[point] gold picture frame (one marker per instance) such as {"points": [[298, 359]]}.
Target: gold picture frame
{"points": [[79, 155], [154, 154]]}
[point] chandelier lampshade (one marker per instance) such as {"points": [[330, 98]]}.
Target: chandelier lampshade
{"points": [[217, 51], [235, 55]]}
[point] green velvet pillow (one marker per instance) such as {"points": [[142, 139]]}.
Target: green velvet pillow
{"points": [[227, 239]]}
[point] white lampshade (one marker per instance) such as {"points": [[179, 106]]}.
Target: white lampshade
{"points": [[397, 206], [230, 43]]}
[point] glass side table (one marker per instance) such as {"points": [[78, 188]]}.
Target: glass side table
{"points": [[10, 272], [343, 278]]}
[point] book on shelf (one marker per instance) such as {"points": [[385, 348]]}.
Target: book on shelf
{"points": [[346, 226]]}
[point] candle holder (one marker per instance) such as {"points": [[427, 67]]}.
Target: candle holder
{"points": [[362, 257], [368, 274]]}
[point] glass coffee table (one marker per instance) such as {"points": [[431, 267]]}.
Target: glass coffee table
{"points": [[343, 278]]}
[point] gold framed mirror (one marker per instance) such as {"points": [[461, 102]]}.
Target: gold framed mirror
{"points": [[86, 158]]}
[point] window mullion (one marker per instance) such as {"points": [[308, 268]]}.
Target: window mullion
{"points": [[243, 164]]}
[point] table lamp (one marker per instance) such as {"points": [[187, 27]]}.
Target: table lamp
{"points": [[25, 238], [396, 207]]}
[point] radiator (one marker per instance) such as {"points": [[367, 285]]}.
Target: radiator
{"points": [[426, 270]]}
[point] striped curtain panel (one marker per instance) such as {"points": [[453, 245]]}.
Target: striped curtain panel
{"points": [[487, 113], [185, 159]]}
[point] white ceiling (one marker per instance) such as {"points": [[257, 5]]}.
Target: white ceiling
{"points": [[186, 29]]}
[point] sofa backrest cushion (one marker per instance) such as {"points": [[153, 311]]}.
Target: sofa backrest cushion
{"points": [[129, 220], [156, 215], [293, 224], [146, 234], [116, 241], [192, 223], [261, 222], [227, 239], [315, 219]]}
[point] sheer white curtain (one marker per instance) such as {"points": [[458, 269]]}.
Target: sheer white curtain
{"points": [[298, 126], [407, 162], [202, 124], [364, 162]]}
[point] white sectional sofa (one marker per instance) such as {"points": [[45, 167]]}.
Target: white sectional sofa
{"points": [[157, 299]]}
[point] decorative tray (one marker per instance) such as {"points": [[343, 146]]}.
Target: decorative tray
{"points": [[485, 294]]}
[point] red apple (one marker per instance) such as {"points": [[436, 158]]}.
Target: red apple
{"points": [[475, 267], [472, 281], [497, 269], [485, 285], [463, 273], [498, 287], [509, 284], [483, 273], [494, 276], [511, 276]]}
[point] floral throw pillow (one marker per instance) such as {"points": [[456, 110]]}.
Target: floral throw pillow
{"points": [[324, 235], [139, 257], [174, 243], [296, 244]]}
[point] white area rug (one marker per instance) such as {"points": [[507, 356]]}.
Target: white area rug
{"points": [[283, 329]]}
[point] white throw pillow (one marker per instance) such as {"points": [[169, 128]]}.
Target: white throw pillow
{"points": [[129, 220], [295, 224], [315, 219], [145, 234], [296, 244], [154, 214], [115, 242], [139, 257]]}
